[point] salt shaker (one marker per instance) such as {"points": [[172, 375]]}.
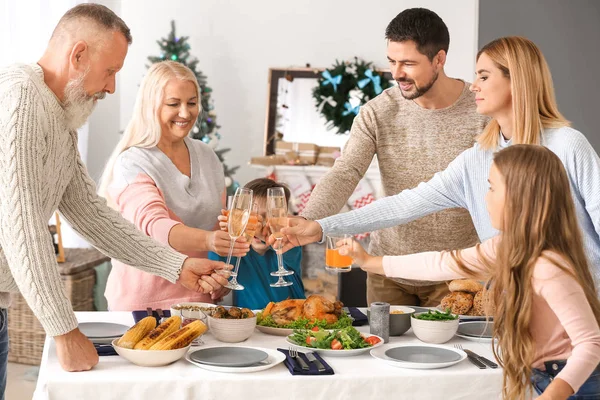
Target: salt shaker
{"points": [[380, 320]]}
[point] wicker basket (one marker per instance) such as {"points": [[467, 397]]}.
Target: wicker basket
{"points": [[25, 332]]}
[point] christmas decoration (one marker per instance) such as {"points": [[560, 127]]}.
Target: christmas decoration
{"points": [[343, 88], [177, 49], [300, 189]]}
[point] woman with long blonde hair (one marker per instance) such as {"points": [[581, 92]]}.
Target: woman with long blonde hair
{"points": [[513, 87], [169, 185], [546, 306]]}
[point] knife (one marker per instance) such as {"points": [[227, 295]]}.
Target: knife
{"points": [[475, 360], [311, 358], [301, 362], [484, 360]]}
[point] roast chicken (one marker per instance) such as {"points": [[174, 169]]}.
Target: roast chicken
{"points": [[315, 307]]}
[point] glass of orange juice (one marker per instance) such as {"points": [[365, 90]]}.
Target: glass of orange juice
{"points": [[334, 261]]}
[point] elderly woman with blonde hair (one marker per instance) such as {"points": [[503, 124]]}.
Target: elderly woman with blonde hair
{"points": [[168, 184]]}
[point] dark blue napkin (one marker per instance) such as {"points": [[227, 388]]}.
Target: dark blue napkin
{"points": [[296, 370], [105, 350], [360, 319], [139, 315]]}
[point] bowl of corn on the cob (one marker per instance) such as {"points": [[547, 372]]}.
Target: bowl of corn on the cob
{"points": [[148, 345]]}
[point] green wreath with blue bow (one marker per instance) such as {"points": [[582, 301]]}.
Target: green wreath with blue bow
{"points": [[332, 95]]}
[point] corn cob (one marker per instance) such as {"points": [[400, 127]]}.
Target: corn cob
{"points": [[163, 330], [137, 332], [182, 337]]}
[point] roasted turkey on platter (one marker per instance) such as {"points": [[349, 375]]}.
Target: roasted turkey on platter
{"points": [[315, 307]]}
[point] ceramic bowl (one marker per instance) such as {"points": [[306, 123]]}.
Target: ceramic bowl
{"points": [[436, 332], [231, 330], [399, 323], [150, 358]]}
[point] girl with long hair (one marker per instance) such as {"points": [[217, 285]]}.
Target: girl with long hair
{"points": [[169, 185], [514, 87], [546, 308]]}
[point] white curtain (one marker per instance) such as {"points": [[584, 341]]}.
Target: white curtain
{"points": [[25, 28]]}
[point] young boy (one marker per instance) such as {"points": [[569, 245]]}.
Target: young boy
{"points": [[256, 267]]}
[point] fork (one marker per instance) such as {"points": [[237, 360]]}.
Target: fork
{"points": [[161, 315], [297, 358], [474, 360]]}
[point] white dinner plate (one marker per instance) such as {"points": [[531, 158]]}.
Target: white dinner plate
{"points": [[229, 356], [275, 357], [477, 331], [269, 330], [102, 330], [419, 356], [338, 353]]}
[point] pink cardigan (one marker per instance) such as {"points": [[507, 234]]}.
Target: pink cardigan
{"points": [[128, 289], [562, 325]]}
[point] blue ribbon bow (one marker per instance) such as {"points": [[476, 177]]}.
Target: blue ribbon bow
{"points": [[370, 78], [350, 109], [331, 80]]}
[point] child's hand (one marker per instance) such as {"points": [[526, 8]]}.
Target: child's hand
{"points": [[367, 262], [350, 247], [223, 220]]}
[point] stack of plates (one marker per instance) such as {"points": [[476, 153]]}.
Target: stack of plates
{"points": [[102, 332], [419, 356], [235, 359], [478, 331]]}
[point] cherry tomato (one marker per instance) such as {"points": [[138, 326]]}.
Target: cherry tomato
{"points": [[315, 329], [372, 340], [310, 341], [336, 345]]}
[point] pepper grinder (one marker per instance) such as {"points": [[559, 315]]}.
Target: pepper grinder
{"points": [[379, 322]]}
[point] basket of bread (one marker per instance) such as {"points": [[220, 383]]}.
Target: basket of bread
{"points": [[148, 345], [467, 297]]}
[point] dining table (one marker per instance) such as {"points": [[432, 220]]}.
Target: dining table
{"points": [[357, 377]]}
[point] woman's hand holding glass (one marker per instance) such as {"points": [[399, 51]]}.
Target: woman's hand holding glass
{"points": [[299, 232], [219, 242]]}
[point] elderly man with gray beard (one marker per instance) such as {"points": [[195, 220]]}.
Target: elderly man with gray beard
{"points": [[41, 107]]}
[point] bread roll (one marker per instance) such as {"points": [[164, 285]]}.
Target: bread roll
{"points": [[482, 303], [458, 302], [465, 285]]}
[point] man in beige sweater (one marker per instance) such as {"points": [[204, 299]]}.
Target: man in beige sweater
{"points": [[415, 130], [41, 106]]}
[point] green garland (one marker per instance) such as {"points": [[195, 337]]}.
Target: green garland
{"points": [[345, 81]]}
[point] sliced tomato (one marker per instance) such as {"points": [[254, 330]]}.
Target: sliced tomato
{"points": [[315, 329], [311, 341], [336, 345], [372, 340]]}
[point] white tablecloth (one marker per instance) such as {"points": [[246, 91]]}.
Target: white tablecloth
{"points": [[359, 377]]}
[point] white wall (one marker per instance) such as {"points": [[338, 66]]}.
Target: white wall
{"points": [[238, 40]]}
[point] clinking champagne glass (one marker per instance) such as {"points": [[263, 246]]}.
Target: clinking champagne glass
{"points": [[277, 217], [239, 213], [249, 232]]}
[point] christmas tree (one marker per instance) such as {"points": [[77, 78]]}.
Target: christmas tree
{"points": [[177, 49]]}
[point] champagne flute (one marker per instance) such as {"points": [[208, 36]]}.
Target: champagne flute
{"points": [[251, 227], [239, 213], [277, 215]]}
